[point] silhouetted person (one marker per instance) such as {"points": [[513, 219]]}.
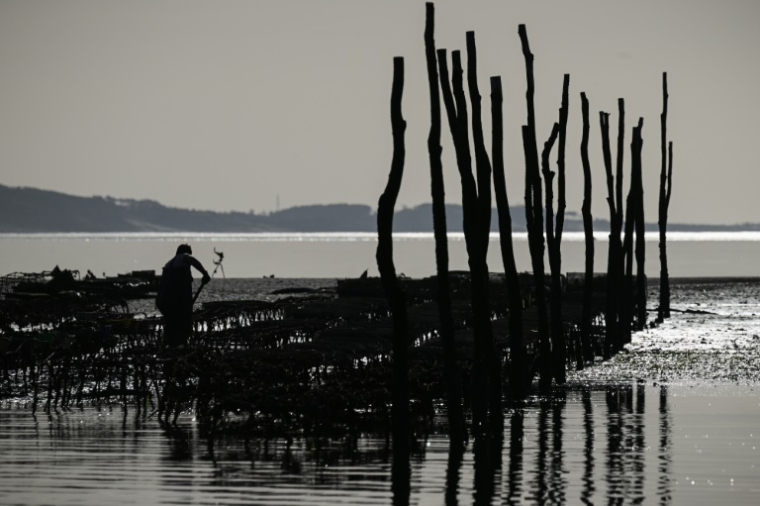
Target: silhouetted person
{"points": [[175, 296]]}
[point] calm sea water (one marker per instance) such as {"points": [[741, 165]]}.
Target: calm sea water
{"points": [[323, 255], [625, 444]]}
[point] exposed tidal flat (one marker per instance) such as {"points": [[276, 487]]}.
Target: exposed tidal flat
{"points": [[675, 419]]}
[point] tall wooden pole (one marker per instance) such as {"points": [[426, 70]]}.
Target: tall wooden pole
{"points": [[456, 417], [517, 383], [588, 228], [396, 297], [456, 111], [555, 245], [641, 281], [534, 217], [486, 353], [614, 237], [662, 222]]}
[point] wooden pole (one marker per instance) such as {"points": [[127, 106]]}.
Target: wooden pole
{"points": [[534, 217], [555, 250], [456, 111], [588, 228], [613, 251], [620, 263], [486, 353], [517, 376], [384, 255], [662, 222], [556, 316], [456, 416], [641, 280]]}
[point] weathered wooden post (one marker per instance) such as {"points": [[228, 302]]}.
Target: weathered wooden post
{"points": [[456, 111], [613, 253], [555, 320], [665, 191], [534, 217], [488, 355], [641, 281], [456, 415], [588, 228], [554, 227], [384, 255], [620, 263], [517, 376]]}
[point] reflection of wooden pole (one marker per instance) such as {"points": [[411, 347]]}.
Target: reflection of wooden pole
{"points": [[662, 222], [396, 297], [456, 417], [534, 217], [588, 228], [517, 386]]}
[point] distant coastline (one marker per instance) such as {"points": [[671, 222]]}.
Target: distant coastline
{"points": [[30, 210]]}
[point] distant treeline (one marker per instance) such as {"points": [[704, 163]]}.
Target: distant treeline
{"points": [[27, 210]]}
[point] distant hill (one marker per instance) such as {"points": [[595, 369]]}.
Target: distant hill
{"points": [[28, 210]]}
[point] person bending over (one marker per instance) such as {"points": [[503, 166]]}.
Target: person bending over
{"points": [[175, 296]]}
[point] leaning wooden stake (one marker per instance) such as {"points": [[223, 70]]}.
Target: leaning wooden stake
{"points": [[517, 374], [396, 297], [662, 222], [456, 415], [588, 228], [534, 218]]}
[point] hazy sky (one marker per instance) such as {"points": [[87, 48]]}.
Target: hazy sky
{"points": [[226, 105]]}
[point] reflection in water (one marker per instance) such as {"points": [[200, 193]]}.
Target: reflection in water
{"points": [[664, 456], [639, 445], [615, 401], [587, 446], [487, 450], [538, 490], [587, 491], [401, 479], [515, 476], [558, 482], [453, 470]]}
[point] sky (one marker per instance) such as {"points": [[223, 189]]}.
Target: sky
{"points": [[247, 105]]}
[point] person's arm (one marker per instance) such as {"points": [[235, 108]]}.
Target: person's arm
{"points": [[199, 266]]}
